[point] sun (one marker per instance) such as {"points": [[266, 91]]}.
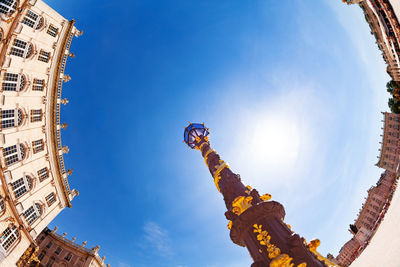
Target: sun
{"points": [[275, 141]]}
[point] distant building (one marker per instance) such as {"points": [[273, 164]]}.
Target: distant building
{"points": [[56, 250], [383, 19], [368, 218], [389, 157], [348, 251], [34, 47]]}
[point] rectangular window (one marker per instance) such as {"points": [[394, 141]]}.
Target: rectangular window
{"points": [[43, 174], [38, 85], [10, 82], [44, 56], [10, 236], [30, 215], [58, 251], [68, 257], [41, 255], [52, 30], [50, 199], [49, 245], [20, 186], [7, 118], [36, 115], [37, 146], [11, 154]]}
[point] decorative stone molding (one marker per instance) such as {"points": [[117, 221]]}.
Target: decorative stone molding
{"points": [[65, 150], [66, 78], [65, 101]]}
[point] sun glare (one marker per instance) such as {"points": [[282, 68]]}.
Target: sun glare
{"points": [[275, 141]]}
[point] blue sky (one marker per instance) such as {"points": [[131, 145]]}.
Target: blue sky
{"points": [[291, 90]]}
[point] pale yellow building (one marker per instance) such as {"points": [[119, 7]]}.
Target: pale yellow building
{"points": [[34, 47], [383, 19]]}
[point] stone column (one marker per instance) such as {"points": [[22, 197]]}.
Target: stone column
{"points": [[255, 222]]}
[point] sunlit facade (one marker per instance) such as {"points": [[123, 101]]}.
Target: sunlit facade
{"points": [[383, 19], [34, 48]]}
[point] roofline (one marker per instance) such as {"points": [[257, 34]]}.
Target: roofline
{"points": [[55, 114]]}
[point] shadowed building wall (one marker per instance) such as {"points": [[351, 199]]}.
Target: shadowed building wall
{"points": [[56, 250]]}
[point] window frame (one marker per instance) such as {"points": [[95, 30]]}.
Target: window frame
{"points": [[13, 154], [13, 82], [37, 146], [21, 188], [33, 213], [8, 10], [10, 118], [36, 115], [21, 48], [13, 234]]}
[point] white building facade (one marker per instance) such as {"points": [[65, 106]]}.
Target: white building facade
{"points": [[34, 47]]}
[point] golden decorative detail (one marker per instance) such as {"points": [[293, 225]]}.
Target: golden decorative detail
{"points": [[312, 246], [274, 253], [217, 177], [264, 238], [283, 260], [216, 181], [201, 146], [249, 188], [209, 151], [265, 197], [230, 225], [240, 204]]}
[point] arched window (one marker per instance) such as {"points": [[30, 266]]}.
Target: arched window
{"points": [[22, 186], [8, 6], [14, 154], [9, 236], [33, 20], [13, 82], [11, 118], [32, 213], [21, 49]]}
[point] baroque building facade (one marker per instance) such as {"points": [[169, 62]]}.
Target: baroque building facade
{"points": [[57, 250], [34, 47], [389, 157], [369, 218], [383, 19]]}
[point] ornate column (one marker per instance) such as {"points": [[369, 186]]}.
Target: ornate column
{"points": [[255, 222]]}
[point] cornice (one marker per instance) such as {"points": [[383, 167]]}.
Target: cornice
{"points": [[68, 243], [55, 102]]}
